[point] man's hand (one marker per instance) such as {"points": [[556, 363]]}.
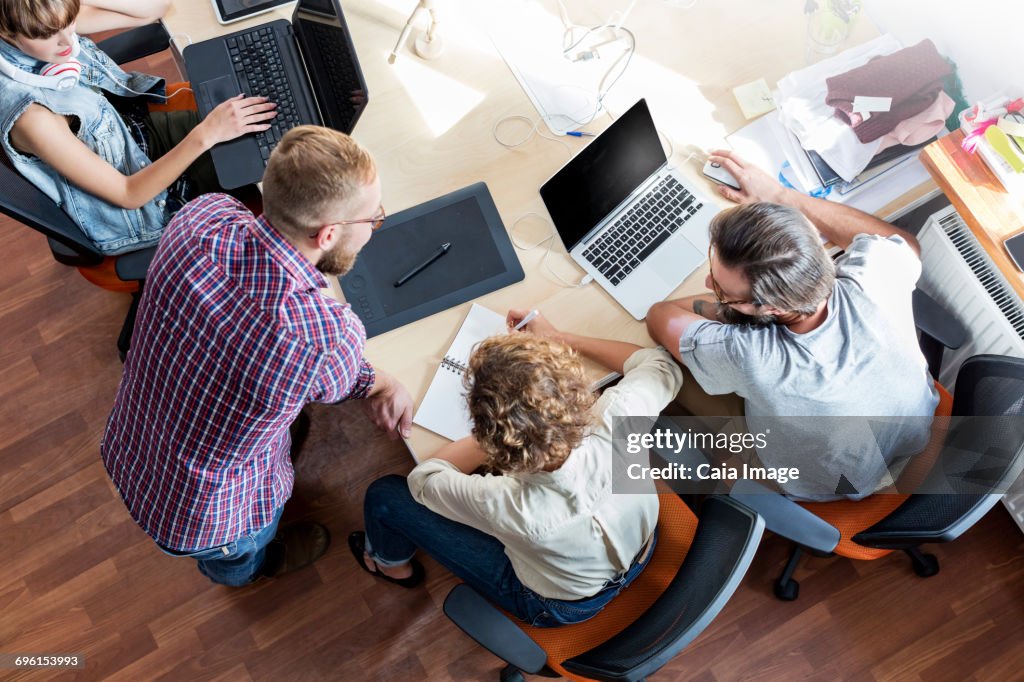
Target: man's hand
{"points": [[755, 184], [389, 407], [837, 223]]}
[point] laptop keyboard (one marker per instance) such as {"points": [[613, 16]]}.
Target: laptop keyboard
{"points": [[639, 231], [257, 63]]}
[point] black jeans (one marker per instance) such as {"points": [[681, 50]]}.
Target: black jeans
{"points": [[165, 129]]}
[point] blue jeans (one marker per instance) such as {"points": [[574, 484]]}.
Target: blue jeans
{"points": [[236, 563], [396, 525]]}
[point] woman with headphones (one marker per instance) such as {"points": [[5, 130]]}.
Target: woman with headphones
{"points": [[119, 173]]}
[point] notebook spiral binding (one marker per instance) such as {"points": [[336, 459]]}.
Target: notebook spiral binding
{"points": [[454, 365]]}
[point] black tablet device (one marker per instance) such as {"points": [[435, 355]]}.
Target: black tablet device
{"points": [[1015, 247], [233, 10], [479, 260]]}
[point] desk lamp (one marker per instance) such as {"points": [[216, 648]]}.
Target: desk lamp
{"points": [[429, 45]]}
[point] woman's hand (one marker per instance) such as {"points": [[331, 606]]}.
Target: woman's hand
{"points": [[235, 117], [538, 325]]}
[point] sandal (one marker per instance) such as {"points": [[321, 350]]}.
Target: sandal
{"points": [[357, 543]]}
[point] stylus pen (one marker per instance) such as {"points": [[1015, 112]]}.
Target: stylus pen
{"points": [[441, 250], [526, 320]]}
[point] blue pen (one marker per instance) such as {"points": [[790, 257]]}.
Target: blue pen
{"points": [[577, 133]]}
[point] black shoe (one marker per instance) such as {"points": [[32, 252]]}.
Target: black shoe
{"points": [[357, 543], [299, 431], [295, 546]]}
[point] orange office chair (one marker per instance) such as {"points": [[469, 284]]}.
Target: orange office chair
{"points": [[963, 473], [696, 567]]}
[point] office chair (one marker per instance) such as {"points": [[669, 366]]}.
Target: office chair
{"points": [[696, 567], [25, 203], [22, 201], [937, 330], [986, 386]]}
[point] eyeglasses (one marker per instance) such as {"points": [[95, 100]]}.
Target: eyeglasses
{"points": [[375, 222], [720, 296]]}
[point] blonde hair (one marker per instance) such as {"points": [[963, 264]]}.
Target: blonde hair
{"points": [[310, 171], [36, 18], [529, 400]]}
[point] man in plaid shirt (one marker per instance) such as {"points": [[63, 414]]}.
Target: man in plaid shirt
{"points": [[233, 337]]}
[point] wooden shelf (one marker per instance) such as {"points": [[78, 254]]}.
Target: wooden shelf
{"points": [[980, 199]]}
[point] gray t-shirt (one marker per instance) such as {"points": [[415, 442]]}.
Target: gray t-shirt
{"points": [[863, 361]]}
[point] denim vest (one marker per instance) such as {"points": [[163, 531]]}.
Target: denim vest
{"points": [[111, 228]]}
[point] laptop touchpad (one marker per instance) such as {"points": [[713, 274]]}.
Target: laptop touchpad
{"points": [[216, 91]]}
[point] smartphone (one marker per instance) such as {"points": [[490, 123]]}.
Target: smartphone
{"points": [[1015, 247]]}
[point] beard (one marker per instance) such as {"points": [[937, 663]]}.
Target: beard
{"points": [[731, 316], [337, 261]]}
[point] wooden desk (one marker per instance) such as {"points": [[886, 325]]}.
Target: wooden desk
{"points": [[980, 199], [429, 126]]}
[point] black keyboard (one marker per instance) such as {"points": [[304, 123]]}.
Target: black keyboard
{"points": [[639, 231], [257, 63], [338, 64]]}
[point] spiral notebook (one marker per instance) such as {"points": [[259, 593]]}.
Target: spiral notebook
{"points": [[444, 409]]}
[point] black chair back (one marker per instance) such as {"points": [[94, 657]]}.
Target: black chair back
{"points": [[24, 202], [980, 459]]}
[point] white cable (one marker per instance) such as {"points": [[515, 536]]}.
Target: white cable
{"points": [[671, 148], [625, 15], [602, 89], [534, 130], [166, 98], [569, 44], [549, 242], [182, 35]]}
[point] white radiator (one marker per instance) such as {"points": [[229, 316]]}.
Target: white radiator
{"points": [[961, 276]]}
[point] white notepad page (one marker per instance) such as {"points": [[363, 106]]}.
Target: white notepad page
{"points": [[444, 410]]}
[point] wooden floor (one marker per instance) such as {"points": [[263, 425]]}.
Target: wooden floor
{"points": [[79, 577]]}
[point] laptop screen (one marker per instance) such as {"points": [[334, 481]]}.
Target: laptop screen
{"points": [[331, 62], [601, 176]]}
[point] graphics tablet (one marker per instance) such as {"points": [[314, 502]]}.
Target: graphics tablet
{"points": [[228, 11], [480, 260]]}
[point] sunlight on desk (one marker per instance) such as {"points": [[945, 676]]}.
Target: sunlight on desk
{"points": [[679, 106], [441, 101]]}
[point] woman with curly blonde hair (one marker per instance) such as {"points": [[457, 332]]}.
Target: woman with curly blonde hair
{"points": [[541, 535]]}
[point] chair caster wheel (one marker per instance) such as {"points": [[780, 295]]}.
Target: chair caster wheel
{"points": [[926, 565], [510, 673], [787, 591]]}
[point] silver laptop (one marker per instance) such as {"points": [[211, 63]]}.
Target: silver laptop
{"points": [[626, 216]]}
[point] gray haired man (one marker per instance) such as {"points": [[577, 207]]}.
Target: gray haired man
{"points": [[794, 334]]}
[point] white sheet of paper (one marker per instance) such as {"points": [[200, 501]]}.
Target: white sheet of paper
{"points": [[758, 144], [444, 409], [529, 39]]}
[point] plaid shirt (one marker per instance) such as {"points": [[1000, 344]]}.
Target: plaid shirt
{"points": [[232, 338]]}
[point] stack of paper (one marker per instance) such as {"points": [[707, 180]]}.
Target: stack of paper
{"points": [[798, 142]]}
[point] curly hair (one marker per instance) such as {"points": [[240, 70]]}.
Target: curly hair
{"points": [[529, 400]]}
